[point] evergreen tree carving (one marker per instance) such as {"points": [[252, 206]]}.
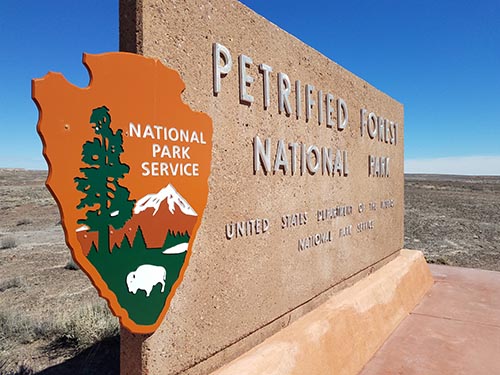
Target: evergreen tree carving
{"points": [[108, 202]]}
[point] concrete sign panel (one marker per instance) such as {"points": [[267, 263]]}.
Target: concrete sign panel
{"points": [[306, 183]]}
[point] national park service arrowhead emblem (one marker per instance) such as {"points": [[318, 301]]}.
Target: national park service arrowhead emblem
{"points": [[128, 166]]}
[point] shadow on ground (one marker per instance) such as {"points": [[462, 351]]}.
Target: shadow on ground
{"points": [[102, 358]]}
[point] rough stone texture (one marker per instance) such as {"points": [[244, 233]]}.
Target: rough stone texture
{"points": [[238, 292], [340, 336]]}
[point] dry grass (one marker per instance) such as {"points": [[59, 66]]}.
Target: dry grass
{"points": [[10, 283], [69, 332], [91, 324], [23, 222], [8, 242], [22, 370], [75, 330], [71, 265]]}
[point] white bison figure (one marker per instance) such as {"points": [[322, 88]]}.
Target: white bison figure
{"points": [[145, 277]]}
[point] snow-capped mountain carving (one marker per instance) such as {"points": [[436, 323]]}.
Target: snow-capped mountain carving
{"points": [[155, 214], [171, 195]]}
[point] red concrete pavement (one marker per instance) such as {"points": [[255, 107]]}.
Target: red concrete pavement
{"points": [[454, 330]]}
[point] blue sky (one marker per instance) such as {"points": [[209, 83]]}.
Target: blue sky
{"points": [[441, 59]]}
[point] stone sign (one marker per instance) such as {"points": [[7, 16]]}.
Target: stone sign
{"points": [[306, 182]]}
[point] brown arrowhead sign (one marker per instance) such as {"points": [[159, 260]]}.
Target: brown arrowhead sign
{"points": [[128, 166]]}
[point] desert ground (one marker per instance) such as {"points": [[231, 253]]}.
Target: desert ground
{"points": [[454, 220], [45, 303], [53, 323]]}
